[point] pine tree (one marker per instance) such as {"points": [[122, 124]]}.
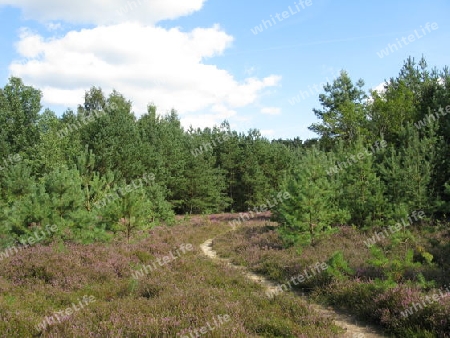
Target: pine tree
{"points": [[20, 106], [54, 151], [172, 148], [31, 212], [419, 159], [112, 135], [363, 191], [205, 184], [310, 212], [161, 209], [344, 110], [64, 188], [229, 158], [129, 212], [16, 181], [94, 185], [408, 171]]}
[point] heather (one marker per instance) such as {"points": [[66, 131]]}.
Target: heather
{"points": [[176, 297], [376, 285]]}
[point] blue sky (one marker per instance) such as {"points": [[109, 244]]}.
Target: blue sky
{"points": [[204, 59]]}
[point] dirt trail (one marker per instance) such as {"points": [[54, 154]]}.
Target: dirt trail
{"points": [[353, 329]]}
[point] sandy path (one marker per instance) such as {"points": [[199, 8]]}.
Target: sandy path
{"points": [[353, 329]]}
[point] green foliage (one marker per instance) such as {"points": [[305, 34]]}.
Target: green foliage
{"points": [[408, 170], [397, 257], [126, 208], [312, 208], [379, 260], [133, 210], [344, 110], [19, 113], [68, 165], [54, 151], [112, 135], [338, 267], [362, 190], [16, 181]]}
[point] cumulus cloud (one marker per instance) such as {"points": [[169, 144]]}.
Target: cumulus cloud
{"points": [[144, 63], [220, 113], [101, 12], [380, 88], [124, 49], [271, 111]]}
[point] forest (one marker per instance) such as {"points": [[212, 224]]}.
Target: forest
{"points": [[380, 163], [378, 157]]}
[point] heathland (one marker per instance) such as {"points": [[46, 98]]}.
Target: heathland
{"points": [[98, 235]]}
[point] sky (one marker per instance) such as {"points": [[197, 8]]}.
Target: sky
{"points": [[257, 64]]}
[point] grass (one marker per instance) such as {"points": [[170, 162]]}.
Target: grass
{"points": [[181, 296]]}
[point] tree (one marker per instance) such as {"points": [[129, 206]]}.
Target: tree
{"points": [[16, 181], [311, 211], [205, 188], [408, 170], [54, 151], [229, 155], [57, 199], [149, 131], [19, 112], [390, 109], [112, 135], [344, 110], [363, 191], [93, 184], [134, 211]]}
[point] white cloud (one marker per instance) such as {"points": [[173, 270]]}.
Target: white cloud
{"points": [[271, 111], [128, 52], [267, 133], [52, 26], [243, 123], [144, 63], [208, 120], [101, 12], [380, 88], [69, 98], [31, 45]]}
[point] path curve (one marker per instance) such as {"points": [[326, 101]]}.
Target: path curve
{"points": [[353, 329]]}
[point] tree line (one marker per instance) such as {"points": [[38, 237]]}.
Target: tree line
{"points": [[380, 156], [100, 169], [80, 170]]}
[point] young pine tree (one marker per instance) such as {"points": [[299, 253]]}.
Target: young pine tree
{"points": [[363, 191], [310, 211]]}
